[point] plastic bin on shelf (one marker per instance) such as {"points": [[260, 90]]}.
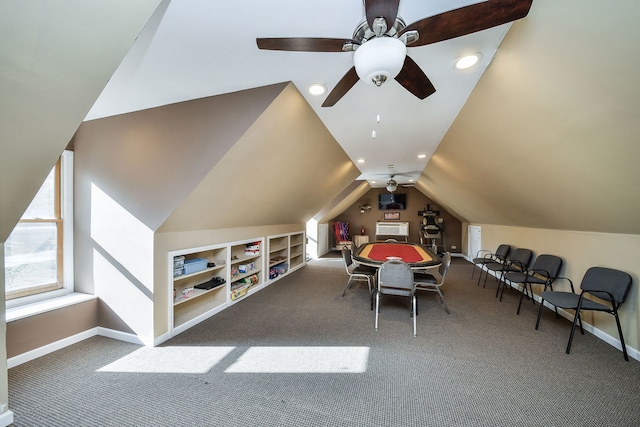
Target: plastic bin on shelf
{"points": [[194, 265]]}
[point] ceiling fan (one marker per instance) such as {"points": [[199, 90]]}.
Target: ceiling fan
{"points": [[392, 184], [380, 41]]}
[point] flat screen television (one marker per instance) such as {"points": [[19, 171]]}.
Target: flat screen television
{"points": [[391, 201]]}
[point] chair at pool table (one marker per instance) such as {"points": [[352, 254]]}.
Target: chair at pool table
{"points": [[429, 282], [358, 273], [396, 278]]}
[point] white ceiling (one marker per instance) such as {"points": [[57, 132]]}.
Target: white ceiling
{"points": [[198, 48]]}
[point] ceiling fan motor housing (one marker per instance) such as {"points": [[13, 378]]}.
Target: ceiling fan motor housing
{"points": [[379, 59]]}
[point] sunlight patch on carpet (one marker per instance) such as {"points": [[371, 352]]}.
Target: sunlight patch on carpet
{"points": [[165, 360], [301, 360]]}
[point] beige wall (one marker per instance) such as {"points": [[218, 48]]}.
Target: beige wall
{"points": [[248, 161], [416, 201], [581, 250], [33, 332]]}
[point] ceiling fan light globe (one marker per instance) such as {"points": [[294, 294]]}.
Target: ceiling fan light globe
{"points": [[379, 59]]}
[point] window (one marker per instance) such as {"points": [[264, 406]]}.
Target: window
{"points": [[38, 253]]}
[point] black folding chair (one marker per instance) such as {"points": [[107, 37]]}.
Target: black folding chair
{"points": [[484, 256], [606, 284], [544, 271], [518, 261]]}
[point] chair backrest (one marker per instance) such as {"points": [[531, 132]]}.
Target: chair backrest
{"points": [[444, 267], [395, 274], [600, 280], [547, 266], [521, 257], [346, 255], [502, 252]]}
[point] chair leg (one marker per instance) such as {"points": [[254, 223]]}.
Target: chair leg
{"points": [[377, 308], [485, 271], [415, 314], [624, 347], [443, 302], [524, 289], [347, 287], [539, 313], [576, 319], [524, 293]]}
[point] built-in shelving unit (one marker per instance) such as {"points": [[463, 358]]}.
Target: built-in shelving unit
{"points": [[246, 268], [297, 251], [286, 254], [190, 303], [241, 268]]}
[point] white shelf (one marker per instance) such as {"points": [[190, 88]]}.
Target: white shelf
{"points": [[184, 313]]}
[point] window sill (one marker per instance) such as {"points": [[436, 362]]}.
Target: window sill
{"points": [[33, 309]]}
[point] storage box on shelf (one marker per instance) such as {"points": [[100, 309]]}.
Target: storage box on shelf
{"points": [[245, 268], [198, 287]]}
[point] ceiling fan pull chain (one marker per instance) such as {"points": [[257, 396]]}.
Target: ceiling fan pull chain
{"points": [[373, 133]]}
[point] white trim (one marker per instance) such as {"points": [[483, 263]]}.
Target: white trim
{"points": [[124, 336], [6, 418], [43, 306], [66, 204], [50, 348]]}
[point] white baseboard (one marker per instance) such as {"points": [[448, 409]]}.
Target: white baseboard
{"points": [[124, 336], [50, 348], [611, 340], [6, 418], [65, 342]]}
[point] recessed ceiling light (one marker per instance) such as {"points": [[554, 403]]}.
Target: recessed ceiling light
{"points": [[360, 160], [317, 89], [422, 156], [468, 61]]}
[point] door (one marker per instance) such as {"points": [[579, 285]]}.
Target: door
{"points": [[475, 241]]}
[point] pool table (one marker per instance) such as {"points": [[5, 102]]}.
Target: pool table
{"points": [[416, 255]]}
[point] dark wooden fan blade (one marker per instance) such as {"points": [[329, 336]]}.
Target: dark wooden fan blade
{"points": [[468, 19], [343, 86], [387, 9], [303, 44], [414, 79]]}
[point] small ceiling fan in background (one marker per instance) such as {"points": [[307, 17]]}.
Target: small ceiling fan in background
{"points": [[379, 42], [392, 184]]}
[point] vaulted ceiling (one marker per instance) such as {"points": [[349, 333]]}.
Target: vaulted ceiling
{"points": [[547, 138]]}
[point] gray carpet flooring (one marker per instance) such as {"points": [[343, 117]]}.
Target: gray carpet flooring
{"points": [[297, 354]]}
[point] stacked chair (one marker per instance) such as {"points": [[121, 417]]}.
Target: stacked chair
{"points": [[544, 271], [485, 256], [518, 261], [602, 289]]}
